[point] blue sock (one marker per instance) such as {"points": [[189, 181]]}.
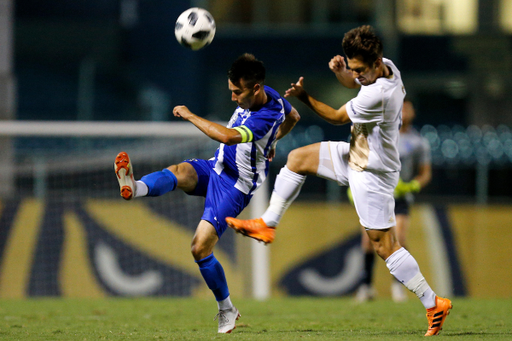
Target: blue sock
{"points": [[213, 274], [160, 183]]}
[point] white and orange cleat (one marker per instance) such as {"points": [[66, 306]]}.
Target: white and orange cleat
{"points": [[227, 319], [437, 315], [124, 175], [254, 228]]}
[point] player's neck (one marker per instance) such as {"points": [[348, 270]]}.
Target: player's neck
{"points": [[261, 101], [386, 71]]}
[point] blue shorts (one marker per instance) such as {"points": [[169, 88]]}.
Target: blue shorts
{"points": [[222, 199]]}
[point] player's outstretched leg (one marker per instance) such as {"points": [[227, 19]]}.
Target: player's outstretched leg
{"points": [[286, 189], [124, 175], [254, 228], [437, 315], [227, 320]]}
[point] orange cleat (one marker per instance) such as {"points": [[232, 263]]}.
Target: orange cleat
{"points": [[254, 228], [124, 175], [437, 315]]}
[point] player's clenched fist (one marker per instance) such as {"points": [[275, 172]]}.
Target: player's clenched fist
{"points": [[337, 64], [182, 111]]}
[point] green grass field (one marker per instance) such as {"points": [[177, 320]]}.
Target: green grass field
{"points": [[275, 319]]}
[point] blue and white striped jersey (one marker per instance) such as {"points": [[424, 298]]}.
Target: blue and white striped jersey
{"points": [[245, 165]]}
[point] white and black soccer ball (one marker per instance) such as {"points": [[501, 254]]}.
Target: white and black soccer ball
{"points": [[195, 28]]}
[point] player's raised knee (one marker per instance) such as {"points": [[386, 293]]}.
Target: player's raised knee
{"points": [[304, 160]]}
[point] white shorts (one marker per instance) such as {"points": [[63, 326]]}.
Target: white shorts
{"points": [[372, 192]]}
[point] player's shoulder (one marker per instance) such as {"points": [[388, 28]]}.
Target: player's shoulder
{"points": [[275, 102], [270, 91], [369, 95], [389, 83], [273, 94], [390, 64]]}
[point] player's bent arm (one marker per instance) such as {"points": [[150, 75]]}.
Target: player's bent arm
{"points": [[347, 80], [289, 122], [328, 113], [344, 76], [424, 174], [215, 131]]}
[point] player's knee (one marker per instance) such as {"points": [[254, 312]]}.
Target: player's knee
{"points": [[198, 251], [174, 169], [295, 160], [382, 252], [385, 250], [185, 175]]}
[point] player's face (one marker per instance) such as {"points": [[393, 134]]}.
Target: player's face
{"points": [[243, 95], [366, 74]]}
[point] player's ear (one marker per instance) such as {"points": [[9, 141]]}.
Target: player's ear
{"points": [[257, 87], [378, 62]]}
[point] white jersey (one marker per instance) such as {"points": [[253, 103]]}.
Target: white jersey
{"points": [[376, 114]]}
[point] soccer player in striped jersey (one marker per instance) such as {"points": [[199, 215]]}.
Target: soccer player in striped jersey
{"points": [[369, 164], [229, 179]]}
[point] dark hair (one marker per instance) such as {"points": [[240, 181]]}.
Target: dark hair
{"points": [[362, 41], [248, 68]]}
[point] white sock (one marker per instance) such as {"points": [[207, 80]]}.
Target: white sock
{"points": [[404, 267], [286, 188], [141, 189], [225, 304]]}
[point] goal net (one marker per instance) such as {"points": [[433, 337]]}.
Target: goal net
{"points": [[65, 230]]}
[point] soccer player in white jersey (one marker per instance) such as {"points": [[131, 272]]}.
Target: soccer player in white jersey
{"points": [[229, 179], [415, 174], [369, 164]]}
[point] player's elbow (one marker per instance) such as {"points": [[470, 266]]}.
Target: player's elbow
{"points": [[229, 140], [341, 117], [229, 137], [293, 116]]}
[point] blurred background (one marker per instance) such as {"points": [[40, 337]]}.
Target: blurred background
{"points": [[118, 60]]}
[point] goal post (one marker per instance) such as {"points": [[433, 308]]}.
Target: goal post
{"points": [[68, 233], [107, 129], [260, 253]]}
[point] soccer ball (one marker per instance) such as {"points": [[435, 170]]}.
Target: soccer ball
{"points": [[195, 28]]}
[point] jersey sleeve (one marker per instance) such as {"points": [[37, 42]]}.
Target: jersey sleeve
{"points": [[287, 106], [260, 124], [366, 107]]}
